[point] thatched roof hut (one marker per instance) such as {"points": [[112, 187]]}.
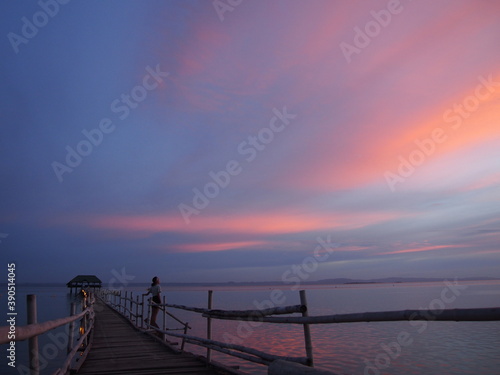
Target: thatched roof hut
{"points": [[84, 281]]}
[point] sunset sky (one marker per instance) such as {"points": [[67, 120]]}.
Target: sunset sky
{"points": [[204, 141]]}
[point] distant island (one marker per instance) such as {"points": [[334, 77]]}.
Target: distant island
{"points": [[336, 281]]}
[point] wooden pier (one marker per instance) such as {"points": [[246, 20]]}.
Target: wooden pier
{"points": [[115, 337], [120, 348]]}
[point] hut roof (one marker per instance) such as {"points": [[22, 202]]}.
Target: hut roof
{"points": [[84, 279]]}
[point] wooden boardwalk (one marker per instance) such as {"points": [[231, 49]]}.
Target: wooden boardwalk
{"points": [[119, 348]]}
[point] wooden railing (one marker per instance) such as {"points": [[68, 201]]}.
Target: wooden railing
{"points": [[33, 330], [136, 309], [278, 364]]}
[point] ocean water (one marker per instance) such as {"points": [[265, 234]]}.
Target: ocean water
{"points": [[414, 348]]}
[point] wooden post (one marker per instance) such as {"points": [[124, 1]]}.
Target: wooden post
{"points": [[125, 305], [164, 319], [120, 302], [71, 328], [137, 311], [130, 305], [209, 325], [184, 339], [149, 312], [33, 341], [84, 323], [142, 311], [307, 331]]}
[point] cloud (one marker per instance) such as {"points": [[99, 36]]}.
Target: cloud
{"points": [[418, 249]]}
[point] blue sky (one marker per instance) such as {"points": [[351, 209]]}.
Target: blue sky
{"points": [[206, 142]]}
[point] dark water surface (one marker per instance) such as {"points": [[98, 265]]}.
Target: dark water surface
{"points": [[414, 348]]}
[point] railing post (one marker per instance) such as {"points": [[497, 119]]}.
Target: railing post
{"points": [[148, 316], [120, 302], [307, 331], [71, 332], [137, 311], [142, 311], [88, 318], [149, 311], [33, 341], [124, 304], [184, 339], [164, 318], [130, 305], [209, 325], [125, 312], [84, 323]]}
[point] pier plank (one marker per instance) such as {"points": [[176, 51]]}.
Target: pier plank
{"points": [[120, 348]]}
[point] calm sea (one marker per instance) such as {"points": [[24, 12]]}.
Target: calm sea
{"points": [[352, 348]]}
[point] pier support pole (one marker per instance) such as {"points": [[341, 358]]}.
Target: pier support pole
{"points": [[307, 331], [209, 326], [33, 341]]}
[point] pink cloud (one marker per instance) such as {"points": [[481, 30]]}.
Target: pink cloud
{"points": [[250, 224], [215, 246], [418, 249]]}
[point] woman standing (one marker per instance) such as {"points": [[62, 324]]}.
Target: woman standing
{"points": [[155, 291]]}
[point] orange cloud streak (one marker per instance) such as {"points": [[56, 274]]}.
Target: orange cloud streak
{"points": [[219, 246], [417, 250], [264, 224]]}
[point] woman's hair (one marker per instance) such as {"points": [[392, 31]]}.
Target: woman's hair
{"points": [[154, 281]]}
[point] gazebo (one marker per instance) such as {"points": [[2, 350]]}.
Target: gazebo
{"points": [[84, 281]]}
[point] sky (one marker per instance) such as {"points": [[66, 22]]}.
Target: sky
{"points": [[238, 140]]}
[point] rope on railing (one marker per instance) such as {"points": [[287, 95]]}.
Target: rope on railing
{"points": [[31, 330], [457, 315], [265, 358], [67, 363]]}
